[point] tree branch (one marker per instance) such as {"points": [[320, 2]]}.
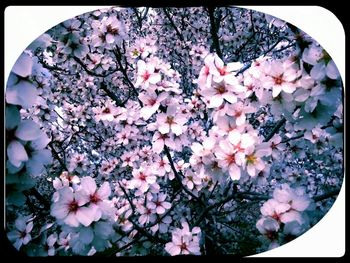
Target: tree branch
{"points": [[275, 129], [155, 239], [81, 63], [178, 177], [173, 24], [213, 31], [110, 94], [326, 195], [57, 157], [293, 138]]}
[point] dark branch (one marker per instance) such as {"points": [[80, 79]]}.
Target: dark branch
{"points": [[173, 24], [178, 177], [56, 155], [110, 94], [275, 129], [213, 31], [81, 63], [326, 195]]}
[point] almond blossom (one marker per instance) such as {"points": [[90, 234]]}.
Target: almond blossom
{"points": [[70, 209], [161, 166], [254, 164], [106, 112], [229, 159], [151, 102], [221, 72], [146, 74], [21, 91], [219, 92], [171, 121], [21, 234], [158, 203], [184, 241], [96, 198], [136, 126], [142, 179], [281, 77]]}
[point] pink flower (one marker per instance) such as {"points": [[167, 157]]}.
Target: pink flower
{"points": [[128, 159], [159, 204], [202, 153], [171, 121], [159, 140], [142, 179], [184, 241], [88, 193], [228, 159], [161, 166], [221, 72], [205, 78], [191, 180], [146, 74], [276, 147], [218, 92], [69, 209], [254, 164], [114, 29], [147, 215], [281, 77], [21, 235], [151, 102], [267, 226], [239, 111], [106, 112], [65, 179]]}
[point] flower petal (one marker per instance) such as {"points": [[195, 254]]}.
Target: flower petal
{"points": [[104, 191], [16, 153], [28, 130], [23, 65]]}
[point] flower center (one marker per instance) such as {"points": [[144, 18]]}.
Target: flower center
{"points": [[278, 80], [151, 102], [222, 71], [112, 30], [94, 198], [206, 71], [183, 246], [238, 113], [106, 111], [142, 177], [251, 158], [170, 120], [220, 89], [230, 159], [135, 52], [146, 76], [23, 234], [73, 206]]}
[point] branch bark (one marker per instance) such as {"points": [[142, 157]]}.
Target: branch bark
{"points": [[213, 31], [275, 129], [326, 195]]}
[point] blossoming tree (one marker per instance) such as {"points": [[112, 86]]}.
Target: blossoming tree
{"points": [[169, 131]]}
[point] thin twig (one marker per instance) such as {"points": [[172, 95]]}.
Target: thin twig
{"points": [[173, 24], [178, 177]]}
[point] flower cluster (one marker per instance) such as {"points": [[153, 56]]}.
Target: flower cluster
{"points": [[126, 126], [184, 241], [283, 216]]}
